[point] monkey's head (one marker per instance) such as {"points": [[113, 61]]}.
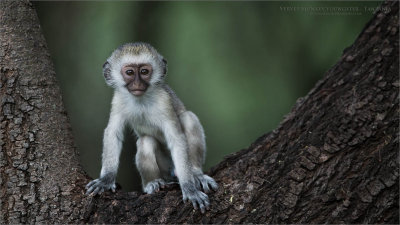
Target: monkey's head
{"points": [[135, 67]]}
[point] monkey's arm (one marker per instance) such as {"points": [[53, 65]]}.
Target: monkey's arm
{"points": [[113, 137], [176, 142]]}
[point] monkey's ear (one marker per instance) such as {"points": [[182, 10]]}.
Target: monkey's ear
{"points": [[164, 66], [107, 73]]}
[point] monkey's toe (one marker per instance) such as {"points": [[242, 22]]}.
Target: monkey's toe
{"points": [[154, 186]]}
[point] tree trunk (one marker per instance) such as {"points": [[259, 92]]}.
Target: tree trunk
{"points": [[40, 176], [334, 158]]}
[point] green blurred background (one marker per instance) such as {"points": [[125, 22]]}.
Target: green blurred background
{"points": [[240, 66]]}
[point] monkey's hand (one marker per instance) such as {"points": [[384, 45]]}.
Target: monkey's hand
{"points": [[198, 198], [100, 185]]}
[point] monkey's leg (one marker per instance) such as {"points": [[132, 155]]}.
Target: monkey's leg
{"points": [[197, 148], [165, 164], [146, 163]]}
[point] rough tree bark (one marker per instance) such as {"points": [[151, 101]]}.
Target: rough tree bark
{"points": [[40, 176], [334, 158]]}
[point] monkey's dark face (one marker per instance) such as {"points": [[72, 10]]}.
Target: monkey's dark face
{"points": [[137, 77]]}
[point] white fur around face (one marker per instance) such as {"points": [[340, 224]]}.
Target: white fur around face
{"points": [[134, 59]]}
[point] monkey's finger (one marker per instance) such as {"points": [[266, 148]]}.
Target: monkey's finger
{"points": [[96, 191], [185, 198], [201, 200], [90, 183], [214, 185], [206, 202], [113, 187], [211, 182], [194, 203], [202, 208], [203, 204], [205, 187], [90, 190]]}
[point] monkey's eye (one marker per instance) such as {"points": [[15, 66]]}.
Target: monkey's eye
{"points": [[144, 71], [129, 72]]}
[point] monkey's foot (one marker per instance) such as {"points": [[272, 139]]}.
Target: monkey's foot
{"points": [[98, 186], [154, 186], [205, 182]]}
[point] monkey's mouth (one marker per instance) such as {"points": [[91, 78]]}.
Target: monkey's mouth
{"points": [[138, 92]]}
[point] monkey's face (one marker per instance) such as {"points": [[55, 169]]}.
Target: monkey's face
{"points": [[135, 68], [137, 77]]}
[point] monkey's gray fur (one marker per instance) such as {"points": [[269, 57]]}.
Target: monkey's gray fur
{"points": [[170, 139]]}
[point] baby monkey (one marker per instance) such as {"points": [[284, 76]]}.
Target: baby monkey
{"points": [[171, 139]]}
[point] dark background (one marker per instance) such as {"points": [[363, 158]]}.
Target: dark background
{"points": [[240, 66]]}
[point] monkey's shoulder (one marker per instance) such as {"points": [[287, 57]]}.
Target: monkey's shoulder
{"points": [[174, 100]]}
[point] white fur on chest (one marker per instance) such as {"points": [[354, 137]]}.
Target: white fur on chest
{"points": [[146, 115]]}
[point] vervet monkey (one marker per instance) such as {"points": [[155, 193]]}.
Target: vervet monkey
{"points": [[171, 139]]}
